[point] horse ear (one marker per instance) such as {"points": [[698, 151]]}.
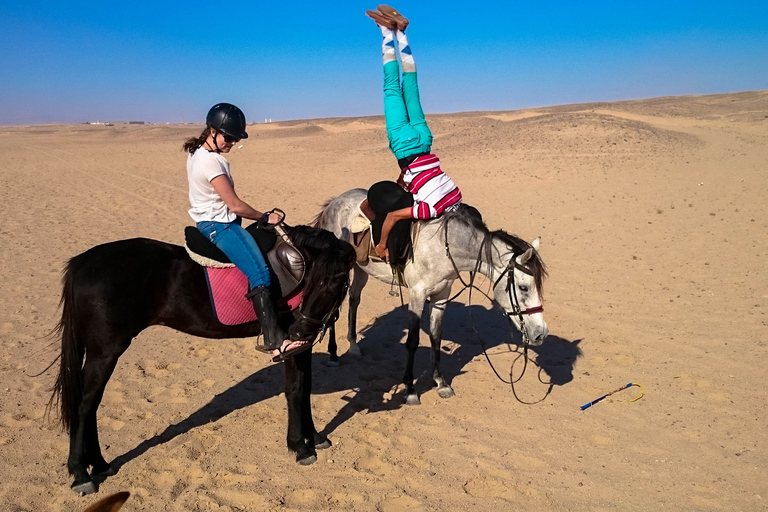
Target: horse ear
{"points": [[523, 258], [110, 503], [536, 243]]}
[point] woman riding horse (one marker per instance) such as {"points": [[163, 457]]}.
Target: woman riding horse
{"points": [[218, 213]]}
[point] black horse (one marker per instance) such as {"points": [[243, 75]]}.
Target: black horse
{"points": [[114, 291]]}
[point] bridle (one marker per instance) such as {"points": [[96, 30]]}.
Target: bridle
{"points": [[330, 317], [333, 313], [511, 289]]}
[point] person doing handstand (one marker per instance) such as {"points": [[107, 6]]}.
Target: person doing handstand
{"points": [[423, 190]]}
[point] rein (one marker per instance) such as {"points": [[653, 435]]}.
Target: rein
{"points": [[330, 317], [511, 290]]}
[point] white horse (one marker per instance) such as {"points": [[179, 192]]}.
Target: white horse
{"points": [[456, 241]]}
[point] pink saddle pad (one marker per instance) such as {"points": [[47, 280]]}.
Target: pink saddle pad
{"points": [[227, 288]]}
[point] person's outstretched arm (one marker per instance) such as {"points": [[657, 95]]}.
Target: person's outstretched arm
{"points": [[389, 222]]}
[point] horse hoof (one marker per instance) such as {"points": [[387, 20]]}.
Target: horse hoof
{"points": [[332, 364], [445, 392], [412, 400], [85, 488], [306, 461], [354, 350], [323, 445]]}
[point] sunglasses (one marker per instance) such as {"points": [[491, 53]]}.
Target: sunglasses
{"points": [[230, 140]]}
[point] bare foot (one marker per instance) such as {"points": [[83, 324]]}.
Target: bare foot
{"points": [[288, 347]]}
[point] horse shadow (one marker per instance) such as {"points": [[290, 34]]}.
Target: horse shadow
{"points": [[468, 331], [257, 387], [373, 383]]}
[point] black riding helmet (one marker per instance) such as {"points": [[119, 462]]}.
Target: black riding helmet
{"points": [[228, 119]]}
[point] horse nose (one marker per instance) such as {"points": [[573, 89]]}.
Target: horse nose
{"points": [[538, 340], [540, 337]]}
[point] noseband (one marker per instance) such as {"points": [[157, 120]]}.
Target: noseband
{"points": [[332, 314]]}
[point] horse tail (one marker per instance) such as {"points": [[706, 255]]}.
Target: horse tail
{"points": [[68, 388]]}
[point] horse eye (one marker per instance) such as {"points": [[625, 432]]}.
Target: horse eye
{"points": [[523, 288]]}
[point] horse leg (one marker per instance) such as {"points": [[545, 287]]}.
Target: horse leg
{"points": [[84, 439], [415, 308], [296, 373], [319, 441], [359, 280], [333, 349], [436, 312]]}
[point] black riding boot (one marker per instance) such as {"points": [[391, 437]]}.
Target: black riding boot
{"points": [[265, 310]]}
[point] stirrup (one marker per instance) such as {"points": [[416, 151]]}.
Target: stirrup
{"points": [[262, 347]]}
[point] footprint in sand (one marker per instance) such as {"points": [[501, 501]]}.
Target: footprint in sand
{"points": [[346, 501], [401, 504], [373, 438], [690, 383], [28, 386], [18, 420], [114, 394], [484, 487], [229, 499], [173, 395], [227, 479], [158, 369], [304, 499], [372, 463], [115, 424], [602, 441]]}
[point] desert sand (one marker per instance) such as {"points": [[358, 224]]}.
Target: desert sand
{"points": [[654, 228]]}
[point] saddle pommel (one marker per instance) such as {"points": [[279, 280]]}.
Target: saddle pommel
{"points": [[288, 263]]}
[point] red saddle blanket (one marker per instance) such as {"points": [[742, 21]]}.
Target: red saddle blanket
{"points": [[227, 288]]}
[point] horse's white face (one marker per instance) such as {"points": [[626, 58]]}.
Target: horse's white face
{"points": [[524, 297]]}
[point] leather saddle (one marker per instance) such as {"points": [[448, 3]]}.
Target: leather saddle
{"points": [[366, 230], [284, 260]]}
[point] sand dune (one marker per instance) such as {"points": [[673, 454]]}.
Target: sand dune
{"points": [[654, 225]]}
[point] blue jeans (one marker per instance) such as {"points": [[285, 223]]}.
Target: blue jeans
{"points": [[240, 248], [407, 128]]}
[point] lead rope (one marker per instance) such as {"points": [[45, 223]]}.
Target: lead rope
{"points": [[471, 285]]}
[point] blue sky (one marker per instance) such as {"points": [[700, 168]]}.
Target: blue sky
{"points": [[170, 61]]}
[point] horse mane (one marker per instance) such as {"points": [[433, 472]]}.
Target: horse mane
{"points": [[470, 217], [312, 238], [326, 255], [319, 219], [536, 264]]}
